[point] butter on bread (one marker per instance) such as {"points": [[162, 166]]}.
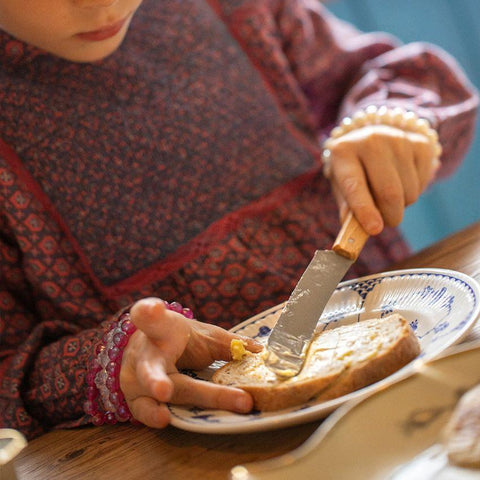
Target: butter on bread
{"points": [[338, 361], [238, 350]]}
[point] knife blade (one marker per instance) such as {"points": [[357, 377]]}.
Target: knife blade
{"points": [[291, 335]]}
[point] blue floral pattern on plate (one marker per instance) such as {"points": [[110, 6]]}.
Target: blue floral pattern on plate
{"points": [[441, 305]]}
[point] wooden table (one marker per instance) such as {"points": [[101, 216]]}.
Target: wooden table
{"points": [[126, 452]]}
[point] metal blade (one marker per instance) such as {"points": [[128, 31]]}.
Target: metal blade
{"points": [[296, 324]]}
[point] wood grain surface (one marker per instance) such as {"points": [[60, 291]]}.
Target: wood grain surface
{"points": [[125, 452]]}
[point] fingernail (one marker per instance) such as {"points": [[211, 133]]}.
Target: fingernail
{"points": [[374, 227], [255, 346], [252, 344], [243, 403]]}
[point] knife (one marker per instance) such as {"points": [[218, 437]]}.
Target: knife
{"points": [[291, 335]]}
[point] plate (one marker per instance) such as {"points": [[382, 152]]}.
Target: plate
{"points": [[405, 442], [441, 306]]}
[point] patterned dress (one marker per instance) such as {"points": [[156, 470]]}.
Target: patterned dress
{"points": [[185, 166]]}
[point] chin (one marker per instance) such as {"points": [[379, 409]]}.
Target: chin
{"points": [[88, 58], [81, 51], [90, 55]]}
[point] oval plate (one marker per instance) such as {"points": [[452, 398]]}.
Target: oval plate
{"points": [[441, 306]]}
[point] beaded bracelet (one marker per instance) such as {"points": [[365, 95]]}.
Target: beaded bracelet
{"points": [[105, 401], [407, 121]]}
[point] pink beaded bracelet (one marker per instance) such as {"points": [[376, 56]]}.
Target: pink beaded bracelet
{"points": [[105, 401]]}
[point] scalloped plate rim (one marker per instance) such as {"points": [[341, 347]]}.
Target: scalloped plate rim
{"points": [[310, 412]]}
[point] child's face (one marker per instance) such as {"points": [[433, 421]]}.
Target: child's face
{"points": [[78, 30]]}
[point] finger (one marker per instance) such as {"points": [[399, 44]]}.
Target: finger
{"points": [[407, 169], [425, 163], [144, 370], [251, 344], [385, 183], [208, 343], [147, 376], [152, 317], [436, 164], [351, 181], [169, 331], [218, 340], [153, 379], [188, 391], [149, 412]]}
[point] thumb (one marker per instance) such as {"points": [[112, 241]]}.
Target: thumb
{"points": [[162, 326]]}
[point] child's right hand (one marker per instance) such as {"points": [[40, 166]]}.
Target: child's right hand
{"points": [[164, 342], [377, 171]]}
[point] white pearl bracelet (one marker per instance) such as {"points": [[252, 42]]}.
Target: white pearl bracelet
{"points": [[372, 115]]}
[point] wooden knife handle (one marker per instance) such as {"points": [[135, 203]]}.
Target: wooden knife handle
{"points": [[351, 238]]}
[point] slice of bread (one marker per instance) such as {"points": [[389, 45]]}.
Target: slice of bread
{"points": [[338, 361]]}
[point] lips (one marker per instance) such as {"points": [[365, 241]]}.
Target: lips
{"points": [[103, 33]]}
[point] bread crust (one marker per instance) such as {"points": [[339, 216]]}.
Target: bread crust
{"points": [[338, 373]]}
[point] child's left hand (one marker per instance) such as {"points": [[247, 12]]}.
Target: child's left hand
{"points": [[165, 342]]}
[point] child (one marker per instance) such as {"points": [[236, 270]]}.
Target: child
{"points": [[173, 149]]}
